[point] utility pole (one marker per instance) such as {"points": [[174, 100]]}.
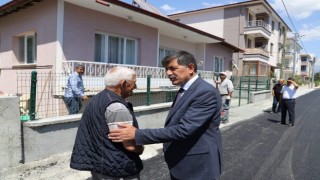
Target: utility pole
{"points": [[295, 38], [313, 63]]}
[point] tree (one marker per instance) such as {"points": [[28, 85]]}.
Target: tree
{"points": [[317, 76]]}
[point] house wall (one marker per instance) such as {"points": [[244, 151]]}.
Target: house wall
{"points": [[198, 50], [274, 39], [234, 21], [40, 18], [208, 21], [80, 25], [177, 44], [213, 50]]}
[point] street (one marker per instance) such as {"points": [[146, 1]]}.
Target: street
{"points": [[261, 148]]}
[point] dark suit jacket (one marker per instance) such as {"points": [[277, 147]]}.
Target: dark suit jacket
{"points": [[192, 139]]}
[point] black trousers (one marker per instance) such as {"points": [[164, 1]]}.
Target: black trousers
{"points": [[287, 105]]}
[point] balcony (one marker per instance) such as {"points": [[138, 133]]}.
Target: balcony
{"points": [[289, 53], [304, 73], [287, 68], [256, 54], [257, 28]]}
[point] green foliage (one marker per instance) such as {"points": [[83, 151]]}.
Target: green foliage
{"points": [[298, 80], [316, 83], [317, 76]]}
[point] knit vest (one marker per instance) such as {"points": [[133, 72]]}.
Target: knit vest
{"points": [[93, 151]]}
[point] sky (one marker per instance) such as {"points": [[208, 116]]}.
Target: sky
{"points": [[304, 15]]}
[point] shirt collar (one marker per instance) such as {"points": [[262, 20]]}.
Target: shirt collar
{"points": [[189, 83]]}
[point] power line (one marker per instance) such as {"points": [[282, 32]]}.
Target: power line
{"points": [[294, 26], [289, 16]]}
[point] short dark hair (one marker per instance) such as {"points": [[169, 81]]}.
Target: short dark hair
{"points": [[290, 78], [183, 58], [80, 66]]}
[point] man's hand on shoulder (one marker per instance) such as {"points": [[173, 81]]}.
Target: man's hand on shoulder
{"points": [[124, 133]]}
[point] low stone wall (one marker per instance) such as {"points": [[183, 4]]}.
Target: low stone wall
{"points": [[52, 136], [260, 96], [10, 132]]}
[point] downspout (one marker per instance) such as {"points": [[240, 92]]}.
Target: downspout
{"points": [[238, 62], [204, 57], [59, 40], [158, 47]]}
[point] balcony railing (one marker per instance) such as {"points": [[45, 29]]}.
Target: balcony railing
{"points": [[98, 69], [258, 23], [250, 51]]}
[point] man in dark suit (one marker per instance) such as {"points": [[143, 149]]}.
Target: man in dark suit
{"points": [[191, 137]]}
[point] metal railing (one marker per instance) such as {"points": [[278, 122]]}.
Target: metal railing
{"points": [[258, 23], [256, 51], [46, 97]]}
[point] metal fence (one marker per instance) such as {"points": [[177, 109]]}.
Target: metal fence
{"points": [[45, 97], [42, 95], [247, 84]]}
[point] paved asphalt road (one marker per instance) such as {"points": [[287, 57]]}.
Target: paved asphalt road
{"points": [[263, 149]]}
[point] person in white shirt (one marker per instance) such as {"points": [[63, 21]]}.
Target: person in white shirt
{"points": [[288, 101], [225, 88]]}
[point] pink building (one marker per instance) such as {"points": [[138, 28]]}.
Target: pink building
{"points": [[44, 35]]}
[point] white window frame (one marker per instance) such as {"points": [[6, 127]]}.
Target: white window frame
{"points": [[23, 58], [105, 55], [220, 67]]}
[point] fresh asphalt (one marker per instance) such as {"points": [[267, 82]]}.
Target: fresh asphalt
{"points": [[260, 148]]}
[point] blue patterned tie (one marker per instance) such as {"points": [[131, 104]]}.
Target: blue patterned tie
{"points": [[179, 95]]}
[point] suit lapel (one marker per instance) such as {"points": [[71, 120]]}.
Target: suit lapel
{"points": [[183, 99]]}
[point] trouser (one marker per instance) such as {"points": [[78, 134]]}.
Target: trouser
{"points": [[225, 101], [276, 103], [287, 105], [73, 104]]}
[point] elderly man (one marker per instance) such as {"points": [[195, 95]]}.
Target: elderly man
{"points": [[93, 151], [191, 137]]}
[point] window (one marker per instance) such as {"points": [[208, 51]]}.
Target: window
{"points": [[287, 63], [253, 70], [163, 52], [271, 49], [279, 28], [303, 68], [218, 64], [303, 58], [272, 25], [27, 48], [249, 43], [115, 49]]}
